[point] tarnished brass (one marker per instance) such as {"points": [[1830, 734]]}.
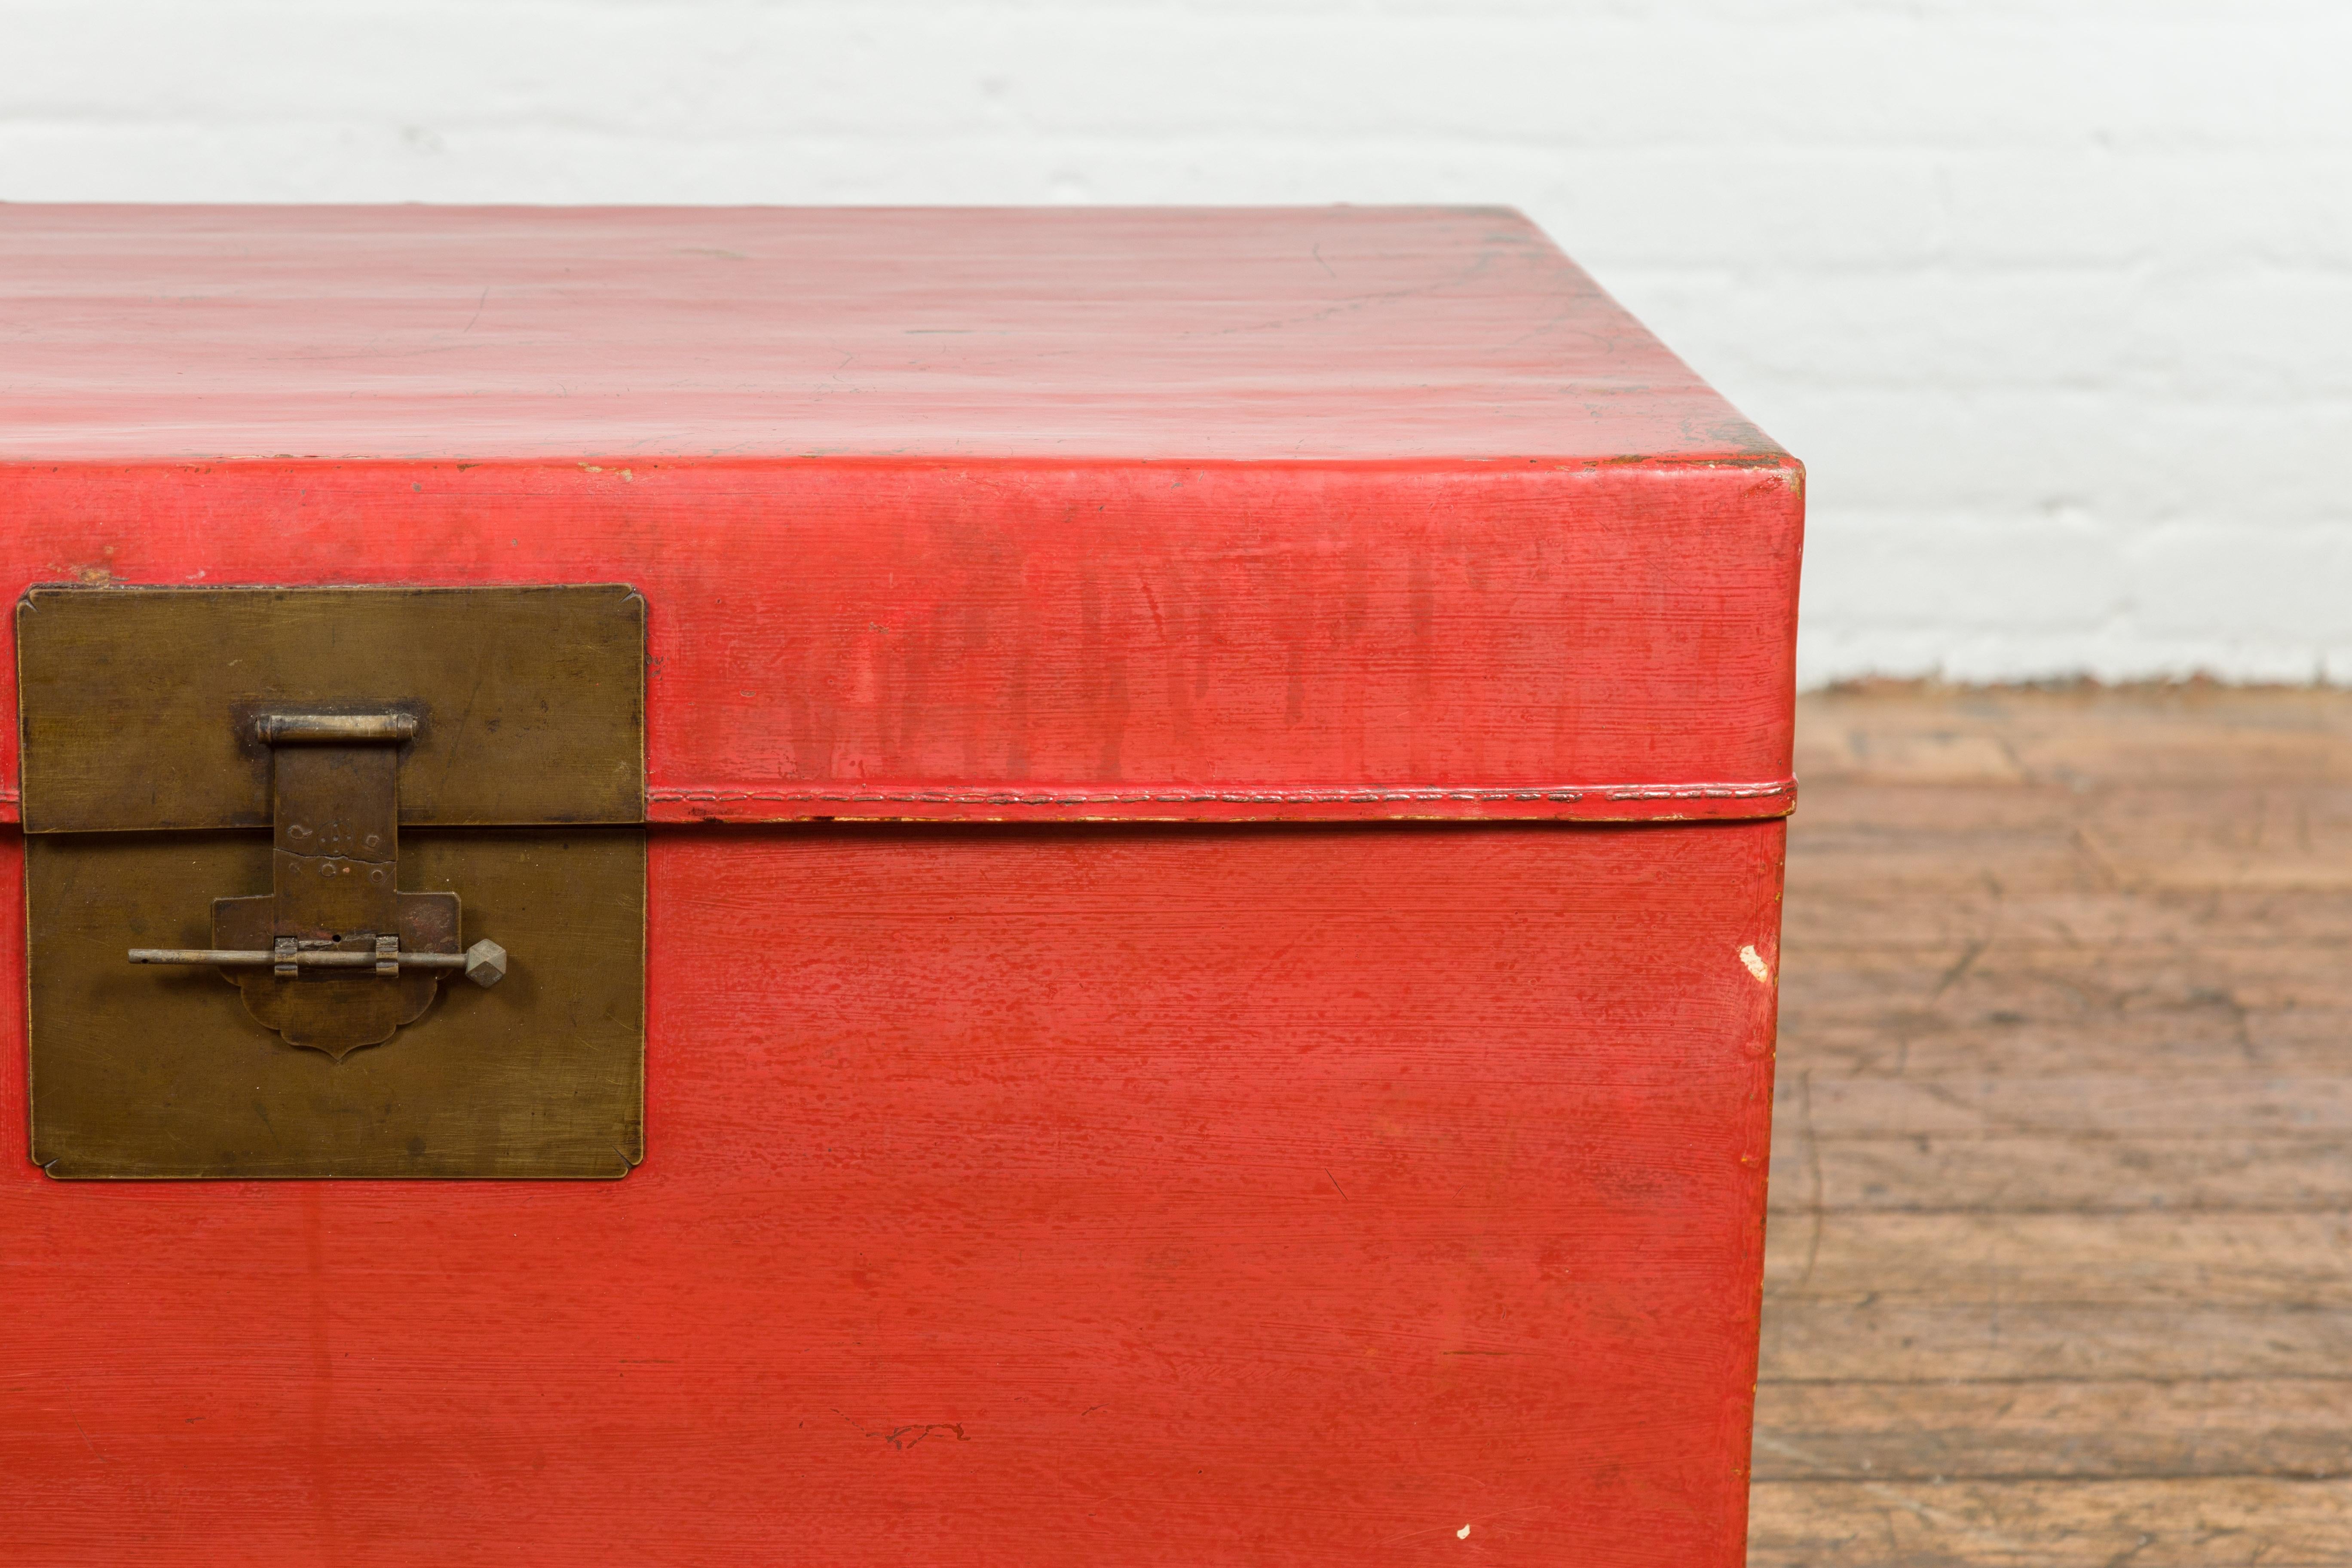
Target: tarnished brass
{"points": [[427, 695], [138, 705], [335, 902], [332, 729], [141, 1072]]}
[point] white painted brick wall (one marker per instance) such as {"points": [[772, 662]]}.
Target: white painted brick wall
{"points": [[2055, 297]]}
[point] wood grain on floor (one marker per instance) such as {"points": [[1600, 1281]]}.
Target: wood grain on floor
{"points": [[2060, 1268]]}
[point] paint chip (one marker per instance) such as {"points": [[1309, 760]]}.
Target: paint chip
{"points": [[1755, 963], [1463, 1533]]}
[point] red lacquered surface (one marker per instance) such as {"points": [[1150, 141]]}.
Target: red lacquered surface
{"points": [[957, 514], [1256, 1188], [1379, 334], [834, 639], [1091, 1194]]}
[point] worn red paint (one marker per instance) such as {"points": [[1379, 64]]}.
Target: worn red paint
{"points": [[1199, 1184]]}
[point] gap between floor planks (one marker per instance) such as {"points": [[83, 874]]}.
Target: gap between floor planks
{"points": [[2059, 1267]]}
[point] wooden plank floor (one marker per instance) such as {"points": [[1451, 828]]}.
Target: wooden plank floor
{"points": [[2059, 1267]]}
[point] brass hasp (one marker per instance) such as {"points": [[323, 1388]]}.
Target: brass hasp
{"points": [[336, 956]]}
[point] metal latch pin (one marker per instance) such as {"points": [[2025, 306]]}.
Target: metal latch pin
{"points": [[485, 963]]}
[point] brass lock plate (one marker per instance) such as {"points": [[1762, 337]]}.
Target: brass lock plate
{"points": [[294, 808]]}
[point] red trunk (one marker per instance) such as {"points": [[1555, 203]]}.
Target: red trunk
{"points": [[1149, 1145]]}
